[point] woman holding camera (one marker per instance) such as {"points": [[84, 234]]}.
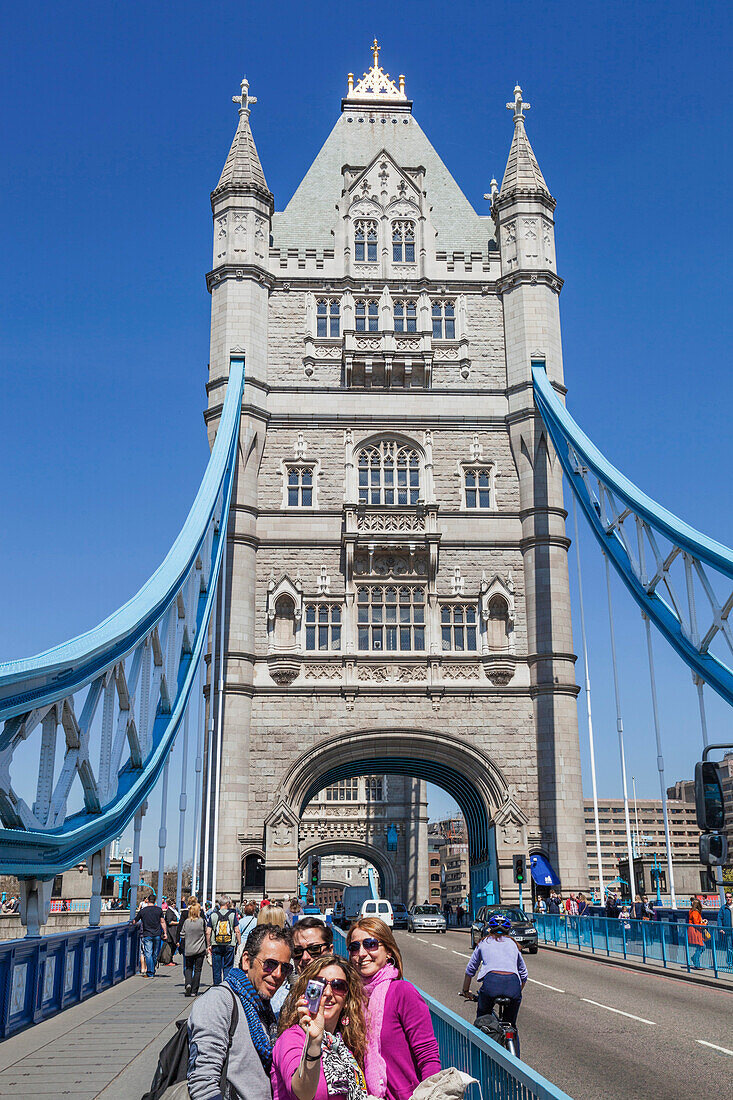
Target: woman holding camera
{"points": [[401, 1046], [327, 1066]]}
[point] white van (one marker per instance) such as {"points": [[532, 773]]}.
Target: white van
{"points": [[378, 907]]}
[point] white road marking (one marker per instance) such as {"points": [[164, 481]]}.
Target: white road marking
{"points": [[715, 1046], [619, 1011], [545, 985], [439, 946], [461, 953]]}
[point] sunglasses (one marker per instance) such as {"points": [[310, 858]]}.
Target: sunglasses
{"points": [[369, 944], [339, 986], [312, 949], [269, 966]]}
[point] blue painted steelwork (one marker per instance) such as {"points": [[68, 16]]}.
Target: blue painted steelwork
{"points": [[499, 1073], [40, 977], [630, 526], [661, 941], [161, 633], [373, 883]]}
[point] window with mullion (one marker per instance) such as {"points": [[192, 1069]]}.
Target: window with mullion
{"points": [[328, 317], [403, 242], [477, 486], [365, 242], [444, 320], [300, 486], [367, 315], [389, 475], [322, 627], [458, 628], [391, 618], [405, 317]]}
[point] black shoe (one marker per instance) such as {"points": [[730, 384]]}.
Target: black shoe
{"points": [[187, 992]]}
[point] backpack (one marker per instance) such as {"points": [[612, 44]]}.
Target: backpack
{"points": [[490, 1026], [223, 928], [172, 1067]]}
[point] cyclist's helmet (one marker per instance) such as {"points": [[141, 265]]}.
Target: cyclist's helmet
{"points": [[499, 924]]}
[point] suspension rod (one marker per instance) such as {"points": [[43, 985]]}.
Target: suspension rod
{"points": [[620, 727], [135, 868], [163, 831], [209, 738], [602, 885], [182, 808], [219, 713], [660, 757], [197, 838]]}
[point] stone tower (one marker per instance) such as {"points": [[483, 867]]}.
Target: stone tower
{"points": [[397, 592]]}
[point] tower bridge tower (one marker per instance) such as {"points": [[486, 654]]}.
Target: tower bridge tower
{"points": [[397, 596]]}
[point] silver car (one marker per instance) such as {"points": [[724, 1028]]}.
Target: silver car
{"points": [[425, 918]]}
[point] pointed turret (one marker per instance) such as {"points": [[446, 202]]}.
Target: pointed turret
{"points": [[522, 170], [242, 169]]}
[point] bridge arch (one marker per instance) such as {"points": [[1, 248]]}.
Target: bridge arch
{"points": [[471, 777], [348, 847]]}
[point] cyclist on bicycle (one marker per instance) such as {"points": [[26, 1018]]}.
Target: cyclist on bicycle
{"points": [[501, 969]]}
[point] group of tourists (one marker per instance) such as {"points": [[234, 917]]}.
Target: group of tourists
{"points": [[371, 1034]]}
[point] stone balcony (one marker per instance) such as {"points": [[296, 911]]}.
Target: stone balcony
{"points": [[386, 359]]}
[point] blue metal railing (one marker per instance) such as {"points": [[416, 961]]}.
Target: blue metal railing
{"points": [[40, 977], [500, 1075], [671, 943]]}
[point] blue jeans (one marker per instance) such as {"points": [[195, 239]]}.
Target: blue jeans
{"points": [[151, 950], [222, 961], [501, 985]]}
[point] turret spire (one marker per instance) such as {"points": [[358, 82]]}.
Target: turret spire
{"points": [[522, 170], [376, 85], [242, 168]]}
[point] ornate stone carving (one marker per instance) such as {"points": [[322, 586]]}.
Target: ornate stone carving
{"points": [[368, 344], [385, 564], [499, 668], [461, 672], [378, 673], [407, 345], [322, 672], [283, 669], [384, 674], [390, 521], [445, 355], [327, 351]]}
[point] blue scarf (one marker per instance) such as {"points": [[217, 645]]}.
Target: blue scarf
{"points": [[260, 1017]]}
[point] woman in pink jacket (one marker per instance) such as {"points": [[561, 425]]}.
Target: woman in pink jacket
{"points": [[401, 1046]]}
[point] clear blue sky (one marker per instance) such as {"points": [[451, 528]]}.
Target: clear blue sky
{"points": [[116, 120]]}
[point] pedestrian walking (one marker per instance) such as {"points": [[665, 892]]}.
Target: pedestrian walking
{"points": [[224, 939], [696, 932], [247, 922], [540, 905], [553, 906], [498, 964], [152, 932], [331, 1053], [583, 906], [194, 938], [725, 925], [401, 1048], [232, 1028]]}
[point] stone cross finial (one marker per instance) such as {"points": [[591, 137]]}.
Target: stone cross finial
{"points": [[375, 52], [245, 100], [518, 106]]}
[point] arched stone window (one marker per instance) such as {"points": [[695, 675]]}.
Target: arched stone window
{"points": [[403, 242], [328, 317], [284, 634], [389, 473], [365, 242], [444, 320], [405, 316], [367, 315], [497, 625]]}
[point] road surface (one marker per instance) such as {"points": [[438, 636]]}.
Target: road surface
{"points": [[597, 1030]]}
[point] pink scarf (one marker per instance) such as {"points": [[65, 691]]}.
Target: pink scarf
{"points": [[375, 1067]]}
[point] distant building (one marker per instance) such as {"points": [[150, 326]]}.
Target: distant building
{"points": [[647, 833], [434, 892], [454, 870]]}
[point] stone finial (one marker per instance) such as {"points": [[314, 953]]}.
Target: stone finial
{"points": [[324, 582], [491, 195], [300, 447], [375, 52], [244, 99], [518, 106], [477, 450], [457, 582]]}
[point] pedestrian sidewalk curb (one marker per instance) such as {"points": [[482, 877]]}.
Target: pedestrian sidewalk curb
{"points": [[723, 984]]}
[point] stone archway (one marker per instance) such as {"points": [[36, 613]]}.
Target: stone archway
{"points": [[384, 867], [466, 773]]}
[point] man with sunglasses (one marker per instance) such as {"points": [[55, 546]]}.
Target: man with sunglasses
{"points": [[311, 939], [232, 1027]]}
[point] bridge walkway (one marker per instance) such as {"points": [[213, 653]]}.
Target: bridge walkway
{"points": [[105, 1047]]}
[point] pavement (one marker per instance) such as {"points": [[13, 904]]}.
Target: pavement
{"points": [[105, 1047], [597, 1029]]}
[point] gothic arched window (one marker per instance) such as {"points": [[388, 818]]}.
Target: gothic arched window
{"points": [[389, 473], [367, 315], [284, 623], [403, 242], [497, 627], [365, 242], [405, 316], [458, 627], [328, 317], [444, 320]]}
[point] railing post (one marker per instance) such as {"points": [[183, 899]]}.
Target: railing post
{"points": [[577, 926], [687, 946], [713, 937], [592, 940], [664, 946], [608, 947], [99, 860], [643, 942], [623, 935], [565, 923], [35, 905]]}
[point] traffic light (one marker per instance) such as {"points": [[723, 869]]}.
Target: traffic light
{"points": [[315, 870], [709, 797], [713, 849], [520, 869]]}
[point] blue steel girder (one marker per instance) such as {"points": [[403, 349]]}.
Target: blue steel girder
{"points": [[132, 676], [673, 572]]}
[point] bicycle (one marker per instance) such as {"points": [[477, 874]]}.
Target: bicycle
{"points": [[495, 1025]]}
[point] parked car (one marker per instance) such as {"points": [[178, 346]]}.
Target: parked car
{"points": [[523, 931], [400, 913], [378, 907], [425, 918]]}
